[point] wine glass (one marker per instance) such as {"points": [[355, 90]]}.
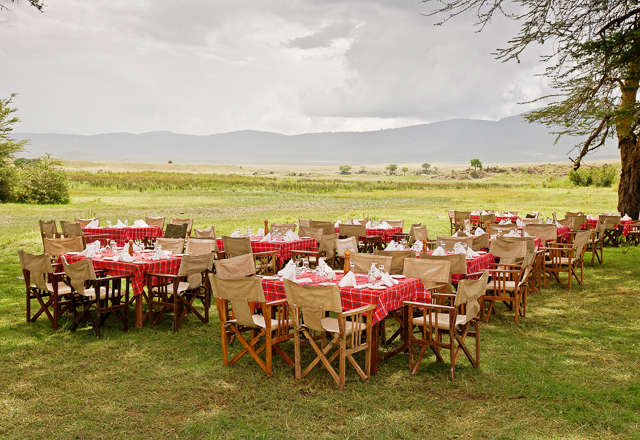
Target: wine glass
{"points": [[305, 264], [126, 222], [108, 223]]}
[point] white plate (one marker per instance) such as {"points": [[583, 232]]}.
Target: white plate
{"points": [[269, 278], [398, 277], [326, 284], [377, 287], [339, 271], [481, 252], [73, 253]]}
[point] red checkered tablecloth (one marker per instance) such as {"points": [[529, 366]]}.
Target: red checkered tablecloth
{"points": [[499, 218], [123, 235], [475, 264], [381, 232], [391, 298], [283, 248], [116, 268], [593, 222]]}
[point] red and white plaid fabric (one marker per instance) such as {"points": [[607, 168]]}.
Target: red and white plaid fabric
{"points": [[123, 235], [593, 222], [283, 248], [391, 298], [381, 232], [474, 264], [138, 280], [499, 218]]}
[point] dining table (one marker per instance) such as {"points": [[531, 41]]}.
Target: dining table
{"points": [[142, 263], [593, 222], [499, 218], [283, 248], [483, 261], [124, 234], [386, 299], [385, 234]]}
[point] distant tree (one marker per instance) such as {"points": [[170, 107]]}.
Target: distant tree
{"points": [[426, 168], [363, 169], [392, 168], [345, 169], [436, 170], [476, 164], [170, 161], [43, 182], [8, 148], [405, 170], [35, 3]]}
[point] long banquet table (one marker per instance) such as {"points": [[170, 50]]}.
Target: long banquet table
{"points": [[283, 248], [137, 268], [381, 232], [123, 235], [387, 300]]}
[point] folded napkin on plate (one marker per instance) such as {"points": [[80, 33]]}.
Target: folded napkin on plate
{"points": [[119, 224], [91, 250], [417, 246], [349, 280], [475, 212], [291, 236], [386, 279], [590, 217], [289, 271], [549, 221], [484, 212], [124, 256], [520, 223], [266, 237], [506, 221], [458, 248], [140, 224], [160, 255], [479, 232], [260, 232], [337, 224], [471, 253], [324, 268], [626, 217], [439, 251], [385, 225], [235, 234], [392, 246], [513, 233], [93, 223]]}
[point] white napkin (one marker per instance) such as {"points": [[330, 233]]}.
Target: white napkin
{"points": [[590, 217], [266, 237], [558, 225], [392, 246], [368, 225], [525, 234], [484, 212], [355, 222], [291, 236], [458, 248], [439, 251], [337, 225], [93, 224], [417, 246], [476, 212], [119, 224], [520, 223], [513, 233], [235, 234], [289, 271], [260, 232], [471, 253], [387, 280], [324, 268], [385, 225], [124, 256], [90, 251], [479, 232], [160, 255], [549, 221], [626, 217], [140, 224], [349, 280]]}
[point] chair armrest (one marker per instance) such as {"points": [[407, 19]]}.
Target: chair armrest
{"points": [[163, 275], [276, 303], [115, 277], [359, 310], [427, 305]]}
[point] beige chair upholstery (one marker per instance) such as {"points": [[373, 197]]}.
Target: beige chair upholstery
{"points": [[155, 221], [175, 245], [201, 246], [546, 233], [182, 221], [397, 259], [235, 246], [85, 221], [208, 232], [236, 267], [58, 246], [449, 242], [362, 262]]}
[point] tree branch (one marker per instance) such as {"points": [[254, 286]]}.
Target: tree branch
{"points": [[586, 148]]}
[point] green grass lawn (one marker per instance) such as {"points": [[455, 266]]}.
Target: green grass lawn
{"points": [[568, 370]]}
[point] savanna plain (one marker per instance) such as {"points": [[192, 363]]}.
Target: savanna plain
{"points": [[568, 370]]}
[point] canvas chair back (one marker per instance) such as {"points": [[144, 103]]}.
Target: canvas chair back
{"points": [[599, 229], [580, 220], [458, 262], [234, 246], [460, 233], [176, 231], [48, 228], [579, 242], [85, 221], [487, 218], [459, 217], [362, 262], [531, 244], [307, 231], [532, 221], [610, 221], [532, 214], [282, 228], [397, 259], [59, 246], [569, 221], [328, 244], [70, 229], [481, 242], [313, 301], [201, 246], [449, 242], [175, 245], [236, 267], [182, 221], [430, 272], [78, 273], [469, 293], [508, 253], [304, 222], [353, 230], [573, 214], [328, 227], [38, 266], [346, 244], [155, 221], [241, 293], [545, 232], [503, 229], [209, 232], [193, 266], [418, 233], [395, 223]]}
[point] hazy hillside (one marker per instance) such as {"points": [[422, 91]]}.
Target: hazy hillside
{"points": [[456, 141]]}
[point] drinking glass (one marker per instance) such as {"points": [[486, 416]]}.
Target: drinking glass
{"points": [[381, 270], [249, 232], [108, 223], [305, 264], [126, 222]]}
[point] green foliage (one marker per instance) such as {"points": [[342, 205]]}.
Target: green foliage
{"points": [[8, 148], [345, 169], [426, 168], [392, 168], [22, 161], [476, 164], [603, 176], [363, 169], [405, 170], [42, 182]]}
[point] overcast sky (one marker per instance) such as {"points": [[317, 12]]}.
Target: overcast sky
{"points": [[210, 66]]}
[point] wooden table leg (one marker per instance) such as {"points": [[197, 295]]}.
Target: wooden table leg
{"points": [[139, 317], [375, 335]]}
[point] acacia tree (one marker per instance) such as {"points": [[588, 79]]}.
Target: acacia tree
{"points": [[593, 63], [8, 148]]}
